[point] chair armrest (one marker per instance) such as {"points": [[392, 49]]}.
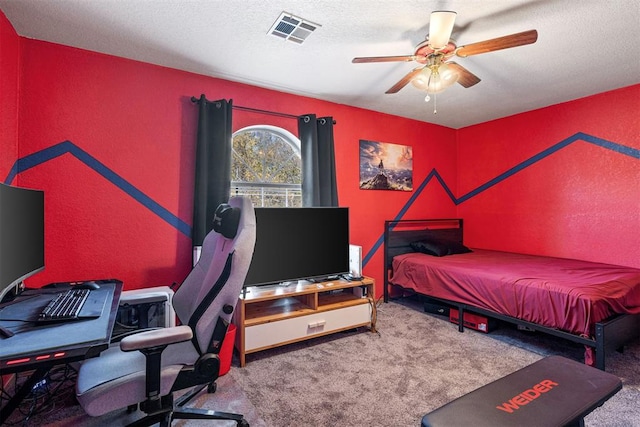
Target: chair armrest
{"points": [[156, 338], [146, 295]]}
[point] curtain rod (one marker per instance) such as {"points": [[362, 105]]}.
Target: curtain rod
{"points": [[255, 110], [271, 113]]}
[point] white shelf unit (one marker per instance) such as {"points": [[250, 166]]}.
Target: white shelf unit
{"points": [[271, 316]]}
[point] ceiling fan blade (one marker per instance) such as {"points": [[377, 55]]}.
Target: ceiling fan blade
{"points": [[440, 28], [518, 39], [399, 58], [405, 80], [467, 78]]}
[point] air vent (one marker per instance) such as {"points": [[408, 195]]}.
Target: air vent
{"points": [[292, 28]]}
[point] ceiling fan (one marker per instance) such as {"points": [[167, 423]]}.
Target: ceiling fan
{"points": [[437, 72]]}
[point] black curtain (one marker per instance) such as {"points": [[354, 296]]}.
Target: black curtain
{"points": [[318, 161], [213, 164]]}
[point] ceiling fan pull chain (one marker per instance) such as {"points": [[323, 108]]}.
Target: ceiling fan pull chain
{"points": [[435, 93], [435, 100], [428, 97]]}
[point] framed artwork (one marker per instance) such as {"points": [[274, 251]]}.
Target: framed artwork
{"points": [[385, 166]]}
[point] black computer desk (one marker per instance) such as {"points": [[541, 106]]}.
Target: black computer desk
{"points": [[39, 348]]}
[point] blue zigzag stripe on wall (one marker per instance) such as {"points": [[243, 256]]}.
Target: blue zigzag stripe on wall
{"points": [[622, 149], [65, 147]]}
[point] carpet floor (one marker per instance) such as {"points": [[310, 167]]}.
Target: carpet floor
{"points": [[413, 364]]}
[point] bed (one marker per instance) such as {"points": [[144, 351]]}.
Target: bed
{"points": [[594, 304]]}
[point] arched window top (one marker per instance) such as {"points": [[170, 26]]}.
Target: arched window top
{"points": [[282, 133], [266, 166]]}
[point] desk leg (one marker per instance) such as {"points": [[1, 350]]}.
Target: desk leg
{"points": [[20, 394]]}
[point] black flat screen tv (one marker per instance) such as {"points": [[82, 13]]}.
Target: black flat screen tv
{"points": [[21, 236], [299, 244]]}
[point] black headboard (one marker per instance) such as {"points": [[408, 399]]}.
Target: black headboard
{"points": [[398, 236]]}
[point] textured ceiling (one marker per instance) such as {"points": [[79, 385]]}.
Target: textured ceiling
{"points": [[584, 47]]}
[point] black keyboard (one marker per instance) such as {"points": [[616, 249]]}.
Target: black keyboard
{"points": [[65, 306]]}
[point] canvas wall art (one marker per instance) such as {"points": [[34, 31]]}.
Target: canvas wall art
{"points": [[385, 166]]}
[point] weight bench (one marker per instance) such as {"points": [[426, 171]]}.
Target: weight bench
{"points": [[553, 391]]}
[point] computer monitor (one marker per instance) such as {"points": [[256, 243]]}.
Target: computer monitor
{"points": [[21, 236]]}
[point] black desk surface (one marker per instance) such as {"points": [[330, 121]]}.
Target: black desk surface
{"points": [[46, 344]]}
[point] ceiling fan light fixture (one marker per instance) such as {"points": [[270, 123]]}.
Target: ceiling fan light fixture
{"points": [[448, 75], [435, 79], [421, 81], [440, 28]]}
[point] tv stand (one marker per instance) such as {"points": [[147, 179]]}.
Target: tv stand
{"points": [[268, 317]]}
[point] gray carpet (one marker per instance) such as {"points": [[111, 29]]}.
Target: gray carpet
{"points": [[414, 364]]}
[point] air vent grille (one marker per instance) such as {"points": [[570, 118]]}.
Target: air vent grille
{"points": [[292, 28]]}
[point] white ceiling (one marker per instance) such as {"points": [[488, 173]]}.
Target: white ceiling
{"points": [[584, 47]]}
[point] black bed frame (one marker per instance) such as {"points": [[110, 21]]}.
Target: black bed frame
{"points": [[609, 335]]}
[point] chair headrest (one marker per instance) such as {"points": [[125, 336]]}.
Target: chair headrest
{"points": [[225, 220]]}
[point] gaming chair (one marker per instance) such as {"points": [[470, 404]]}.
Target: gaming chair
{"points": [[146, 368]]}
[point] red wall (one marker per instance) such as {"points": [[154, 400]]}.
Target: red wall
{"points": [[137, 121], [9, 70], [581, 201]]}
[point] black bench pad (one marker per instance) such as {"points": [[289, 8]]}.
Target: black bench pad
{"points": [[554, 391]]}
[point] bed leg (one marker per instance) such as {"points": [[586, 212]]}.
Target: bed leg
{"points": [[460, 317], [600, 349], [600, 360], [386, 292], [385, 284]]}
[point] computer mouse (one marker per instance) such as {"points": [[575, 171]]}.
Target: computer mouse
{"points": [[87, 285]]}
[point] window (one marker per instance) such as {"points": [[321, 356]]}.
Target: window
{"points": [[266, 166]]}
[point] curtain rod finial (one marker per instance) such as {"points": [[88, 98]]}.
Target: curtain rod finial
{"points": [[196, 100]]}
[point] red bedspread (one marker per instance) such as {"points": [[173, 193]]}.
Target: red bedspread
{"points": [[566, 294]]}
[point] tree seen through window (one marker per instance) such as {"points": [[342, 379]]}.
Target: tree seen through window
{"points": [[266, 166]]}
